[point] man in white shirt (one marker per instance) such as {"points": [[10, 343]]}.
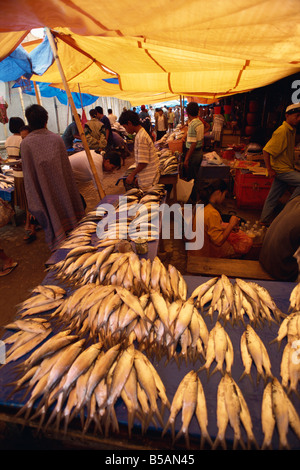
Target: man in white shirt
{"points": [[112, 118], [146, 158], [106, 162]]}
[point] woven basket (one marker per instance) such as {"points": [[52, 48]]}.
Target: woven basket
{"points": [[175, 145]]}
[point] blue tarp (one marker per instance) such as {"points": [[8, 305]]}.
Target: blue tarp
{"points": [[16, 65], [20, 63], [48, 91], [20, 66]]}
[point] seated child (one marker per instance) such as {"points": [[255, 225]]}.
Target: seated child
{"points": [[221, 240]]}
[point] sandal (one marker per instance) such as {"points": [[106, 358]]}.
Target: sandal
{"points": [[31, 236], [8, 270]]}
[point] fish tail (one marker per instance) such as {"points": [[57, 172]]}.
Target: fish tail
{"points": [[130, 419], [284, 446], [97, 424], [108, 421], [58, 419], [266, 445], [219, 442], [50, 419], [66, 424], [274, 341], [165, 428], [178, 435], [41, 422], [238, 441], [252, 442], [114, 420], [244, 374], [73, 413], [216, 369], [258, 377], [205, 437]]}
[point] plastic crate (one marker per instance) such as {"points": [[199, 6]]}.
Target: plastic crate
{"points": [[251, 190], [6, 195]]}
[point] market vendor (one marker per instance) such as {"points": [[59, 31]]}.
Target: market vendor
{"points": [[221, 240], [106, 162], [146, 158], [279, 158], [281, 242]]}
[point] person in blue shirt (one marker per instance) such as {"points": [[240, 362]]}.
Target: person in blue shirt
{"points": [[70, 134]]}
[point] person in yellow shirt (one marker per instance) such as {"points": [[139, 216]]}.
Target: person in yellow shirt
{"points": [[216, 233], [280, 162]]}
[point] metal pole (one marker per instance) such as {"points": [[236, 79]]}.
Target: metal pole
{"points": [[75, 114]]}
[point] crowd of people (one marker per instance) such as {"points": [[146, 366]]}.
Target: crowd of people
{"points": [[51, 186]]}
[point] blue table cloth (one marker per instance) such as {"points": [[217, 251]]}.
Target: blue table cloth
{"points": [[171, 376]]}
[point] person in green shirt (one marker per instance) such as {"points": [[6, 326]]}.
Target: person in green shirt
{"points": [[280, 162]]}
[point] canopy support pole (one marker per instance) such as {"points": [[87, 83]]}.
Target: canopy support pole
{"points": [[75, 114], [56, 114], [37, 93], [22, 104], [181, 109]]}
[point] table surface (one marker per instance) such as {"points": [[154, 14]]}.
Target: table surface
{"points": [[171, 375]]}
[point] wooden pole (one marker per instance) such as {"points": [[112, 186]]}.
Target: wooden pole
{"points": [[75, 114], [22, 104], [37, 93], [181, 109], [80, 96], [56, 114]]}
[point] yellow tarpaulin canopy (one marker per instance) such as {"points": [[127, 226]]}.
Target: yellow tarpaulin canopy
{"points": [[163, 48]]}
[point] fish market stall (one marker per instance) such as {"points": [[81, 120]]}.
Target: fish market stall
{"points": [[86, 232], [152, 359], [6, 185]]}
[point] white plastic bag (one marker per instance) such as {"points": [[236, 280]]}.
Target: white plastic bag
{"points": [[183, 189]]}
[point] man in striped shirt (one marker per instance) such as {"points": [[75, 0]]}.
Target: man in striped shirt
{"points": [[146, 158]]}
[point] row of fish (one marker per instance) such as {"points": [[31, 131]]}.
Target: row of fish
{"points": [[295, 298], [6, 181], [66, 378], [113, 313], [189, 398], [85, 265], [146, 203], [49, 351], [168, 163], [233, 301], [254, 351], [277, 410], [174, 321], [290, 363], [160, 325]]}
